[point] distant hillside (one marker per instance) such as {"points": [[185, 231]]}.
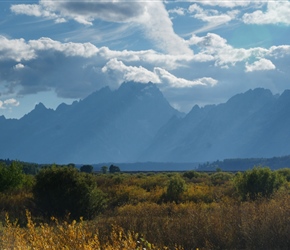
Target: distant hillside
{"points": [[245, 164], [151, 166]]}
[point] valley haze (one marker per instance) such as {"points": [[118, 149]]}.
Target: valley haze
{"points": [[135, 123]]}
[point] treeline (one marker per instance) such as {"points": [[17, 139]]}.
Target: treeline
{"points": [[62, 207], [245, 164]]}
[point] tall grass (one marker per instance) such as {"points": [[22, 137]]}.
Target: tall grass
{"points": [[68, 236], [228, 224], [209, 215]]}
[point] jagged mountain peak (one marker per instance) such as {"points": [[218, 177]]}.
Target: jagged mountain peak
{"points": [[38, 111], [285, 96], [252, 95], [40, 106], [139, 88]]}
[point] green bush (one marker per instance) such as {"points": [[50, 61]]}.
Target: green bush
{"points": [[258, 182], [284, 172], [11, 176], [60, 191], [192, 174], [87, 168], [114, 169], [220, 178], [175, 189]]}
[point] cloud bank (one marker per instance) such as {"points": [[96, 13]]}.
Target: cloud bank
{"points": [[74, 70]]}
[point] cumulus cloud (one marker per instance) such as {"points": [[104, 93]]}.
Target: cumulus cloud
{"points": [[74, 70], [43, 64], [148, 57], [9, 103], [120, 72], [36, 10], [279, 51], [262, 64], [277, 12], [224, 55], [15, 49], [19, 66], [69, 49], [212, 16], [151, 16], [176, 82]]}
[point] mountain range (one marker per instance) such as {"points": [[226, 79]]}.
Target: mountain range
{"points": [[135, 123]]}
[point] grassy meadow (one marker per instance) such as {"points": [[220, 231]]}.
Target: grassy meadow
{"points": [[186, 210]]}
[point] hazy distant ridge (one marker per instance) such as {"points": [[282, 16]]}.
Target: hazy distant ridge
{"points": [[136, 123]]}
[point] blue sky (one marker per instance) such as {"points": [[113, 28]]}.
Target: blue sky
{"points": [[198, 52]]}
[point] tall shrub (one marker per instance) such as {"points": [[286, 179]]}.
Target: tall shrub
{"points": [[258, 182], [175, 189], [63, 190], [11, 176]]}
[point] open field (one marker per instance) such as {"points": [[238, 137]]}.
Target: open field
{"points": [[171, 210]]}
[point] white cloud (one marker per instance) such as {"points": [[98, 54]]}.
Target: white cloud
{"points": [[159, 28], [225, 3], [19, 66], [279, 51], [69, 49], [73, 70], [15, 49], [9, 103], [212, 17], [176, 82], [278, 12], [35, 10], [147, 57], [215, 48], [262, 64], [28, 9], [121, 72], [179, 11]]}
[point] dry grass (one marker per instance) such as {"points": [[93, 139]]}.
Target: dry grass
{"points": [[72, 236], [228, 224], [208, 217]]}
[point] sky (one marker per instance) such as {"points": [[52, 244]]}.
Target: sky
{"points": [[197, 52]]}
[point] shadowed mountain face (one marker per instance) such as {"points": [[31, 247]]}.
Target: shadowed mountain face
{"points": [[136, 123]]}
